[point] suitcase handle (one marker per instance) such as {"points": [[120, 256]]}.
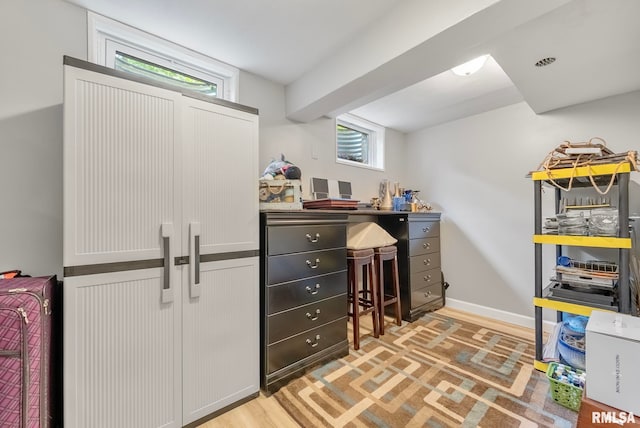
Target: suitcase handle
{"points": [[194, 256], [167, 233]]}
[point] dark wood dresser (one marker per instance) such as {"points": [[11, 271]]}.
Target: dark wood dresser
{"points": [[303, 293]]}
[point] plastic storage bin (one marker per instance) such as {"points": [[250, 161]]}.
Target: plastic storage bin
{"points": [[571, 343], [566, 385], [603, 222]]}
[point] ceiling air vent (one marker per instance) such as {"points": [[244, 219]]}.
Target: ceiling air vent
{"points": [[545, 61]]}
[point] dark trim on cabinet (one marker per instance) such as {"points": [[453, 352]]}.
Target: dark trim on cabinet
{"points": [[204, 258], [152, 263], [78, 63], [112, 267]]}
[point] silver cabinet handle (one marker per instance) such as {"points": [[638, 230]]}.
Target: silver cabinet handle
{"points": [[313, 290], [313, 266], [313, 343], [312, 239], [166, 230], [427, 262], [427, 278], [425, 229], [426, 245], [427, 294], [313, 318], [194, 259]]}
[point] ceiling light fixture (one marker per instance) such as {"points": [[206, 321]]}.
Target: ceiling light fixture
{"points": [[470, 67], [545, 61]]}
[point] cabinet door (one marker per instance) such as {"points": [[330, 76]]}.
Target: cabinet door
{"points": [[122, 352], [221, 171], [121, 168], [221, 337], [121, 188]]}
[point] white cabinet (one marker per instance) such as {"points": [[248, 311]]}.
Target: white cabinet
{"points": [[161, 241]]}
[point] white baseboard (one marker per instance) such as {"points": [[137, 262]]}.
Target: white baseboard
{"points": [[498, 314]]}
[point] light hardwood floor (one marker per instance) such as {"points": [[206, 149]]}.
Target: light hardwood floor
{"points": [[266, 412], [262, 412]]}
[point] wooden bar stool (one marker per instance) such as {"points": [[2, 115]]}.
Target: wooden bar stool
{"points": [[388, 294], [362, 300]]}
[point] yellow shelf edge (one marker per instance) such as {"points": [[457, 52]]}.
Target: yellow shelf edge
{"points": [[572, 308], [583, 171], [540, 365], [583, 241]]}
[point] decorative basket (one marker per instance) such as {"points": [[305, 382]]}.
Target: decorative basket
{"points": [[563, 393], [280, 194]]}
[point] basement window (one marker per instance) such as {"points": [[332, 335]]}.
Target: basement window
{"points": [[359, 142], [140, 67], [125, 48]]}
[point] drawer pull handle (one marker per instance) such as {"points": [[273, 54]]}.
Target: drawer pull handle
{"points": [[427, 278], [313, 290], [312, 343], [313, 266], [312, 239], [427, 261], [425, 229], [311, 317], [427, 294], [426, 245]]}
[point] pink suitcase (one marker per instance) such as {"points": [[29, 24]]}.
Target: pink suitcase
{"points": [[25, 341]]}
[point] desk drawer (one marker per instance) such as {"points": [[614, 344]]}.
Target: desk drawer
{"points": [[424, 229], [294, 321], [424, 262], [290, 267], [291, 294], [425, 278], [294, 239], [424, 246], [302, 345], [425, 295]]}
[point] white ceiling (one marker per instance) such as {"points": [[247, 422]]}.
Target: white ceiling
{"points": [[388, 60]]}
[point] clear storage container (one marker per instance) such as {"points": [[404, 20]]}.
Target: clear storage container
{"points": [[603, 222]]}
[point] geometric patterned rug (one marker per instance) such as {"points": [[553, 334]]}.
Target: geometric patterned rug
{"points": [[438, 371]]}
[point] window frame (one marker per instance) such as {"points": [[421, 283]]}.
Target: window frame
{"points": [[376, 141], [106, 36]]}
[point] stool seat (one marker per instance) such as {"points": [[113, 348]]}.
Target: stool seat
{"points": [[356, 254], [362, 300], [388, 286], [389, 251]]}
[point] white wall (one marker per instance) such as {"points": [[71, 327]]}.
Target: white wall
{"points": [[311, 146], [35, 34], [473, 170]]}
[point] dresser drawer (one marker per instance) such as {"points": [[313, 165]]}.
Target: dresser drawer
{"points": [[424, 229], [290, 267], [425, 278], [294, 321], [424, 246], [425, 295], [294, 239], [291, 294], [424, 262], [302, 345]]}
